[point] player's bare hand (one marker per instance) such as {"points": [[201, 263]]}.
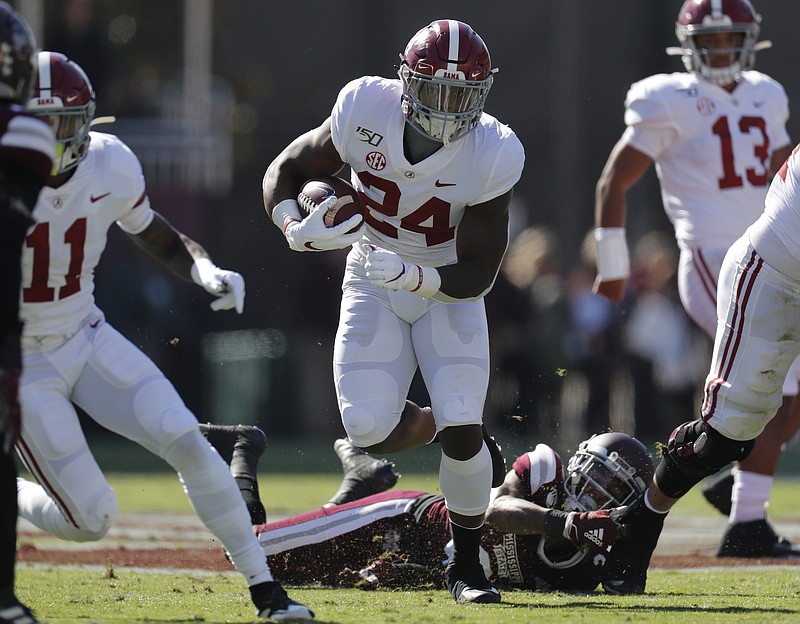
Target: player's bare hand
{"points": [[613, 290]]}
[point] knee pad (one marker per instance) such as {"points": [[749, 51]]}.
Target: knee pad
{"points": [[458, 394], [100, 518], [371, 405], [466, 485], [696, 450], [89, 523]]}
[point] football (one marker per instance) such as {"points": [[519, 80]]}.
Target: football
{"points": [[316, 190]]}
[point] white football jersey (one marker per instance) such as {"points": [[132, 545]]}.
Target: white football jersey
{"points": [[782, 217], [712, 149], [63, 248], [414, 210]]}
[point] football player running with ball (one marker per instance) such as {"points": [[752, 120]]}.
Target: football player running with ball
{"points": [[436, 174], [717, 135], [72, 355]]}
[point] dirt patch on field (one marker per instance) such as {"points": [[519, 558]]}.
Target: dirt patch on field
{"points": [[211, 559], [182, 542]]}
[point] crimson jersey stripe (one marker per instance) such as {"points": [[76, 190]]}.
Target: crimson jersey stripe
{"points": [[707, 278], [743, 290], [141, 199]]}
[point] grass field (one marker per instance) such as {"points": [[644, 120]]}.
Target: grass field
{"points": [[106, 594], [724, 596]]}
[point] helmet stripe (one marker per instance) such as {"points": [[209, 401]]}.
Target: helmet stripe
{"points": [[452, 53], [45, 81]]}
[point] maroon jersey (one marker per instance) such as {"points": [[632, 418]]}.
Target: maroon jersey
{"points": [[412, 528], [26, 141], [27, 146]]}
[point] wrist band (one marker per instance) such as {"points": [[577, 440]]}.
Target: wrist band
{"points": [[613, 260], [428, 282], [286, 212]]}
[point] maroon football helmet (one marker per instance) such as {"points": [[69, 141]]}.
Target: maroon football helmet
{"points": [[446, 73], [64, 98], [700, 17], [608, 470], [17, 50]]}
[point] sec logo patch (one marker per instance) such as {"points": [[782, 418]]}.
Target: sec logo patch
{"points": [[376, 161]]}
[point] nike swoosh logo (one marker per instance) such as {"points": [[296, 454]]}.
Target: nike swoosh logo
{"points": [[759, 103], [99, 197], [70, 98], [441, 184], [95, 324]]}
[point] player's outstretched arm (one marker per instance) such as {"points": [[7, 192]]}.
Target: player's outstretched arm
{"points": [[510, 512], [188, 260]]}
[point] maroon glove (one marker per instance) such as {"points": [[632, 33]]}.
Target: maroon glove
{"points": [[9, 408], [597, 530]]}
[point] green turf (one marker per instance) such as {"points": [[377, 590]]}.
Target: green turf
{"points": [[698, 597], [98, 596], [285, 494], [298, 475]]}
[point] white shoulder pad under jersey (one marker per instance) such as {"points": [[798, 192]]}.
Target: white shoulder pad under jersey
{"points": [[415, 210], [712, 149], [783, 209], [539, 468], [64, 247]]}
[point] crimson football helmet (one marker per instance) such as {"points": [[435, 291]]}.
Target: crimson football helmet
{"points": [[701, 17], [446, 74], [608, 470], [17, 50], [64, 98]]}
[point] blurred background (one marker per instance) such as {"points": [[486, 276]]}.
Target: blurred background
{"points": [[207, 93]]}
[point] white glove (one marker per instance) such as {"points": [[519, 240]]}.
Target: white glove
{"points": [[385, 269], [311, 233], [227, 285]]}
